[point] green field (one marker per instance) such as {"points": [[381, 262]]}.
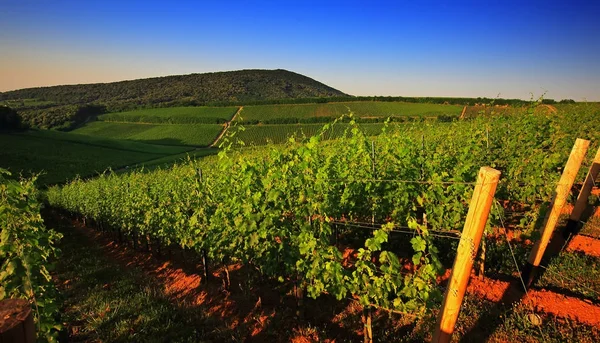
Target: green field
{"points": [[271, 113], [106, 143], [162, 134], [61, 160], [386, 109], [174, 115]]}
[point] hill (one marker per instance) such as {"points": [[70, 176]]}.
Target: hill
{"points": [[60, 106], [230, 86]]}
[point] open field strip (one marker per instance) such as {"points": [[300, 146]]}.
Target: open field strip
{"points": [[173, 115], [162, 134], [271, 113]]}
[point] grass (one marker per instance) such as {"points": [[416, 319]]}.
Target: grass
{"points": [[575, 272], [168, 161], [484, 321], [266, 112], [162, 134], [592, 227], [105, 301], [107, 143], [386, 109], [174, 115], [61, 160], [333, 110]]}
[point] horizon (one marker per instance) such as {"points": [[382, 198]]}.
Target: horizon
{"points": [[508, 51]]}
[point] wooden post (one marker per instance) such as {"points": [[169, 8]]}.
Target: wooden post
{"points": [[479, 209], [299, 293], [462, 114], [584, 194], [205, 266], [367, 319], [563, 190], [16, 321]]}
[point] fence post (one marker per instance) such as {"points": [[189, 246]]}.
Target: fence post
{"points": [[462, 114], [584, 194], [479, 209], [16, 322], [560, 198]]}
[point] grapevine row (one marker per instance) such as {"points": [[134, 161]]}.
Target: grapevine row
{"points": [[274, 207], [27, 249]]}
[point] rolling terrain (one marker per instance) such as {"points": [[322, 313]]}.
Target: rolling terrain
{"points": [[62, 104], [166, 135]]}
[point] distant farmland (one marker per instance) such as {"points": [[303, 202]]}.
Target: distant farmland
{"points": [[181, 126], [163, 134], [274, 114], [264, 134], [63, 158], [174, 115]]}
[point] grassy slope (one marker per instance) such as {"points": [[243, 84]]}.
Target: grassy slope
{"points": [[61, 160], [174, 115], [266, 112], [168, 161], [384, 109], [105, 301], [106, 143], [162, 134]]}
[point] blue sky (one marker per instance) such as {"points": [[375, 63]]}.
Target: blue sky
{"points": [[409, 48]]}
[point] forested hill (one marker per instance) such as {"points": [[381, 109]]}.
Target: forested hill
{"points": [[193, 89]]}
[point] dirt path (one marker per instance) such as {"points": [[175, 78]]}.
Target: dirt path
{"points": [[551, 108], [210, 146], [226, 127]]}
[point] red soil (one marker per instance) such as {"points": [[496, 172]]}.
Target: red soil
{"points": [[587, 245], [565, 306], [559, 305]]}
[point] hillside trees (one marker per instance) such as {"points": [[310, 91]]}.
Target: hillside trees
{"points": [[9, 119]]}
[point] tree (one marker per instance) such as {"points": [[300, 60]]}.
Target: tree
{"points": [[9, 119]]}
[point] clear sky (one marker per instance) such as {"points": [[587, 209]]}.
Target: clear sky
{"points": [[407, 48]]}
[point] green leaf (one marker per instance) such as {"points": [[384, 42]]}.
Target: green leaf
{"points": [[418, 244]]}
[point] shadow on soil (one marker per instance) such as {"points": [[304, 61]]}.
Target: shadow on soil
{"points": [[488, 323]]}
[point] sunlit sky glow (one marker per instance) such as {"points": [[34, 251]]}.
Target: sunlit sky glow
{"points": [[405, 48]]}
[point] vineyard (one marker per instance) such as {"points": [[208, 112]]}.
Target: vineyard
{"points": [[279, 134], [374, 220], [174, 115], [307, 113], [60, 156], [26, 251]]}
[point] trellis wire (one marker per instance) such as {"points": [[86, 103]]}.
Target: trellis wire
{"points": [[412, 232], [510, 246]]}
